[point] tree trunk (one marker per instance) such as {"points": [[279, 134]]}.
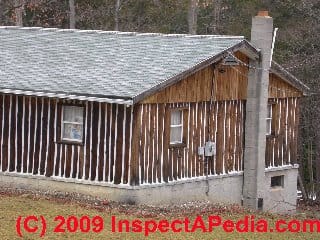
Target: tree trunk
{"points": [[72, 15], [317, 162], [116, 15], [192, 16], [19, 6], [216, 13], [310, 160], [303, 190], [1, 12]]}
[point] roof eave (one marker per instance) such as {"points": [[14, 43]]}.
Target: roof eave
{"points": [[71, 96], [244, 47], [278, 70]]}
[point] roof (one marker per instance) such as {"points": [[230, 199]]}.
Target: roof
{"points": [[105, 66], [99, 64], [278, 70]]}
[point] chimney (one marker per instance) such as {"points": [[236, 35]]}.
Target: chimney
{"points": [[254, 185]]}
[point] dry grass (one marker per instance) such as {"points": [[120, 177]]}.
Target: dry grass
{"points": [[12, 206]]}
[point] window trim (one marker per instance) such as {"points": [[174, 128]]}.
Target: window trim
{"points": [[70, 141], [273, 104], [269, 120], [177, 126], [277, 182], [184, 111]]}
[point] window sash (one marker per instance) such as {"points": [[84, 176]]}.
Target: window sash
{"points": [[269, 120], [269, 126], [72, 114], [177, 137], [75, 133], [175, 125]]}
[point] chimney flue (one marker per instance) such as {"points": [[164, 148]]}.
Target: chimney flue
{"points": [[263, 13]]}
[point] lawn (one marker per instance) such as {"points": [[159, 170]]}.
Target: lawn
{"points": [[93, 219]]}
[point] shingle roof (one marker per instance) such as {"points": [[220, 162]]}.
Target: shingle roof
{"points": [[99, 63], [288, 77]]}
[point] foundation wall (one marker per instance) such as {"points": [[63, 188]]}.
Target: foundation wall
{"points": [[217, 189]]}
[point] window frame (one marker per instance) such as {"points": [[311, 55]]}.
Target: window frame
{"points": [[62, 123], [273, 108], [184, 114], [177, 126], [277, 182], [269, 132]]}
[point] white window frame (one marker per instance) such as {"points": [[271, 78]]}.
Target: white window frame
{"points": [[269, 120], [63, 122], [177, 126]]}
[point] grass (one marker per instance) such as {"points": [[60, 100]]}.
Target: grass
{"points": [[12, 206]]}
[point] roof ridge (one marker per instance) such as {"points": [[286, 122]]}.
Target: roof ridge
{"points": [[121, 33]]}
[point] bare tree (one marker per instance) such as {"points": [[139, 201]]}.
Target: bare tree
{"points": [[1, 12], [116, 15], [216, 14], [192, 16], [18, 10], [72, 15]]}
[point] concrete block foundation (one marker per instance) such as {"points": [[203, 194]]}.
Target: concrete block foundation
{"points": [[217, 189]]}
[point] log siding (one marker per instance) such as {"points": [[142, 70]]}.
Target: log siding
{"points": [[31, 140], [281, 146], [122, 146], [160, 162]]}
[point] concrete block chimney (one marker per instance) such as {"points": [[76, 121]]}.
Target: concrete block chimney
{"points": [[256, 112]]}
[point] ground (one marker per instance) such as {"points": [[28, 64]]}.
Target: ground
{"points": [[50, 205]]}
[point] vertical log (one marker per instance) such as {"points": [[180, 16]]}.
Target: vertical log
{"points": [[12, 135], [94, 140], [32, 130], [101, 146], [1, 127], [26, 134], [19, 132], [88, 140], [119, 145], [135, 150], [51, 138], [44, 133]]}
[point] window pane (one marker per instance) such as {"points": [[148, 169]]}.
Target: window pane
{"points": [[72, 131], [73, 114], [176, 117], [175, 134], [269, 114], [268, 126]]}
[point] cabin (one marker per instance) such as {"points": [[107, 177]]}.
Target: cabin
{"points": [[149, 118]]}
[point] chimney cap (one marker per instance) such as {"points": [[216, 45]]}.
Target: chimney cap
{"points": [[263, 13]]}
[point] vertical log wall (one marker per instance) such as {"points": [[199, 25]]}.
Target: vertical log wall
{"points": [[281, 146], [30, 140], [160, 162]]}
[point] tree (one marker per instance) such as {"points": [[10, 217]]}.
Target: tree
{"points": [[19, 7], [192, 16], [116, 15], [72, 15], [2, 15], [216, 15]]}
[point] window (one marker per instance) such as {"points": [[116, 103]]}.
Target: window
{"points": [[277, 181], [269, 120], [72, 123], [176, 127]]}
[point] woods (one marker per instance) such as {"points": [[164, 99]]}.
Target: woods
{"points": [[297, 45]]}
